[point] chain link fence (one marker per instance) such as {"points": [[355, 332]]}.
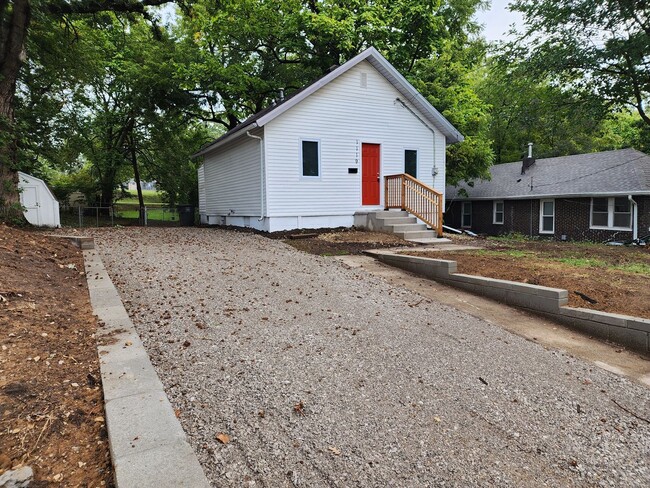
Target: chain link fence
{"points": [[118, 214]]}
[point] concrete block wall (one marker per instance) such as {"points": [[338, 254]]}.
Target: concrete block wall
{"points": [[631, 332]]}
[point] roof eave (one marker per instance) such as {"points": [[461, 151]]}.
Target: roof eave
{"points": [[221, 142], [554, 195]]}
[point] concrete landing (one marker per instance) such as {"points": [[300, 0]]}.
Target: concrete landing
{"points": [[148, 445], [431, 241]]}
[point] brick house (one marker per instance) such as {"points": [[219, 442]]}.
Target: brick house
{"points": [[586, 197]]}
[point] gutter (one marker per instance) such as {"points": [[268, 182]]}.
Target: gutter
{"points": [[635, 218], [248, 133]]}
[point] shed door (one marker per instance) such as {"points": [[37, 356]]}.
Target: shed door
{"points": [[30, 202], [370, 174]]}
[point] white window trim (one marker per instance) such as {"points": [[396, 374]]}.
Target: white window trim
{"points": [[417, 160], [494, 212], [610, 215], [541, 216], [320, 169], [462, 215]]}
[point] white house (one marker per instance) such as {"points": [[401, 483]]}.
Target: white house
{"points": [[320, 157], [41, 208]]}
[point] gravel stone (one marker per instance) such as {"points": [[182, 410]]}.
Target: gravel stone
{"points": [[327, 376]]}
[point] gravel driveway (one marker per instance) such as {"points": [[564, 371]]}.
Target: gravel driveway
{"points": [[326, 376]]}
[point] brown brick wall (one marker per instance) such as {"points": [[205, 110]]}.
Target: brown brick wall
{"points": [[522, 216]]}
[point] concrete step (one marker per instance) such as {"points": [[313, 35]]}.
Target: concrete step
{"points": [[396, 220], [382, 214], [415, 234], [441, 243], [405, 227]]}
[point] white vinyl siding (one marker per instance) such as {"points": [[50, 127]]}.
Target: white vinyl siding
{"points": [[201, 178], [497, 212], [547, 216], [611, 213], [342, 116], [466, 215], [232, 179]]}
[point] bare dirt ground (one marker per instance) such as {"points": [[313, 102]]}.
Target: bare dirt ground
{"points": [[607, 278], [51, 404], [341, 242]]}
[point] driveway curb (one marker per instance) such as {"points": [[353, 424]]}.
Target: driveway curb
{"points": [[147, 443]]}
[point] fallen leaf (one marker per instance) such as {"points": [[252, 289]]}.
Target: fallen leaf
{"points": [[177, 412], [437, 419], [223, 438], [128, 343], [99, 419], [334, 450]]}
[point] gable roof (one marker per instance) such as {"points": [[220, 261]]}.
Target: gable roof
{"points": [[620, 172], [380, 64]]}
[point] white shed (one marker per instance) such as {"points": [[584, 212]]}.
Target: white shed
{"points": [[41, 208], [322, 157]]}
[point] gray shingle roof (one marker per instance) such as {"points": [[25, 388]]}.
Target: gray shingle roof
{"points": [[624, 171]]}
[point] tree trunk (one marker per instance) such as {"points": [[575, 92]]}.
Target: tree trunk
{"points": [[136, 176], [12, 35]]}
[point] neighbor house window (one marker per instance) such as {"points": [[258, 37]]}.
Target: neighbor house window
{"points": [[497, 212], [547, 216], [466, 218], [310, 159], [611, 213], [411, 162]]}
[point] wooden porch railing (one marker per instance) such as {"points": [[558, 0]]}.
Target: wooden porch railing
{"points": [[407, 193]]}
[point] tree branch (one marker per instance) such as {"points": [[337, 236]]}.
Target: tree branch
{"points": [[94, 6]]}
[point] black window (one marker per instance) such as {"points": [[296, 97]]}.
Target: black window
{"points": [[411, 162], [310, 166]]}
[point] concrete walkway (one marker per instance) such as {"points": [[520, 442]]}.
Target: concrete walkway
{"points": [[147, 443]]}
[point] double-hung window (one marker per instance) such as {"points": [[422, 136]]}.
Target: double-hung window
{"points": [[310, 159], [547, 216], [466, 215], [497, 212], [611, 213]]}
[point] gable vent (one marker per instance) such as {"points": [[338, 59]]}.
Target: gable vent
{"points": [[364, 80]]}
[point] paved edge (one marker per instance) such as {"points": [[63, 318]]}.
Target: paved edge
{"points": [[147, 443], [629, 331]]}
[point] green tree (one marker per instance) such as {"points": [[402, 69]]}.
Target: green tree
{"points": [[525, 108], [15, 22], [599, 49], [243, 52]]}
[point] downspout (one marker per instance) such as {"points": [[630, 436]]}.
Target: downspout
{"points": [[261, 173], [635, 217]]}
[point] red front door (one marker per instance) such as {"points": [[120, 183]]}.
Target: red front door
{"points": [[370, 174]]}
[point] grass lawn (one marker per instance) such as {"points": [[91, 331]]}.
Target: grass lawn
{"points": [[163, 214], [151, 197]]}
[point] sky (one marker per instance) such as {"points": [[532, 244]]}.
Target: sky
{"points": [[497, 20]]}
